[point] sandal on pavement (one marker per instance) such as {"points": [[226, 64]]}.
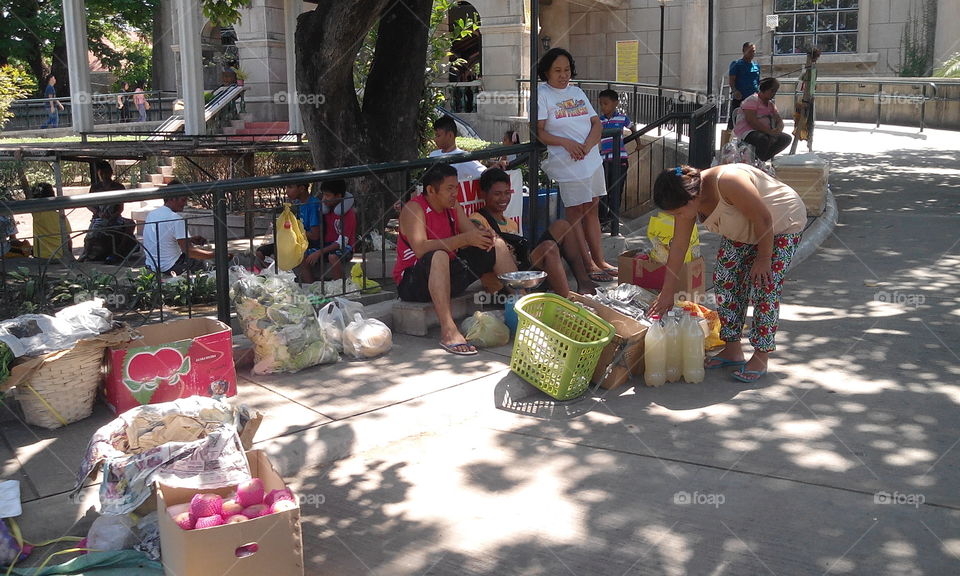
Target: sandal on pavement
{"points": [[748, 376], [718, 362], [460, 349], [601, 277]]}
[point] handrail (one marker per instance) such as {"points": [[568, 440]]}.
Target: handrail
{"points": [[926, 90]]}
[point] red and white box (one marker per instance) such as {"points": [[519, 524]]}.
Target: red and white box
{"points": [[177, 359]]}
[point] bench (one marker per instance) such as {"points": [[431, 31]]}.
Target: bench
{"points": [[416, 318]]}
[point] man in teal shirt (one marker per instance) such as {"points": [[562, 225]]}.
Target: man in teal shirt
{"points": [[744, 79]]}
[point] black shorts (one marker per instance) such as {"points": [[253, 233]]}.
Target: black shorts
{"points": [[470, 264]]}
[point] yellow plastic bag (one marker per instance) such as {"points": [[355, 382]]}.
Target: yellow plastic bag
{"points": [[366, 285], [713, 323], [291, 240], [660, 233]]}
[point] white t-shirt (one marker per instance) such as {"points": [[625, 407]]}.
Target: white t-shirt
{"points": [[161, 230], [466, 171], [568, 113]]}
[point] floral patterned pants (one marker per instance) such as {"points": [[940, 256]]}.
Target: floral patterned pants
{"points": [[734, 290]]}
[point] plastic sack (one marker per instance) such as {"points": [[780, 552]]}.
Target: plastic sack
{"points": [[277, 316], [334, 318], [34, 334], [485, 330], [291, 240], [660, 233], [360, 279], [366, 338], [112, 533]]}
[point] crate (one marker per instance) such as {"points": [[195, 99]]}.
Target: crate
{"points": [[558, 344]]}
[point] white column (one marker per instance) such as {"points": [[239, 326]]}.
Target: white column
{"points": [[191, 71], [292, 9], [75, 27]]}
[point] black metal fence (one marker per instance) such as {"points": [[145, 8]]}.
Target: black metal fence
{"points": [[45, 284], [31, 114]]}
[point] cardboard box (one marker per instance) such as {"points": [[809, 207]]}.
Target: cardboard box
{"points": [[630, 335], [269, 545], [637, 268], [808, 174], [173, 360]]}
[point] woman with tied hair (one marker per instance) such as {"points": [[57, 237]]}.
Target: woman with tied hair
{"points": [[570, 128], [760, 220]]}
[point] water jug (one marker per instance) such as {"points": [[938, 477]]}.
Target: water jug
{"points": [[655, 354], [671, 330], [691, 336]]}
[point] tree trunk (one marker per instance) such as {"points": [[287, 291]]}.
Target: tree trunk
{"points": [[59, 67], [341, 132]]}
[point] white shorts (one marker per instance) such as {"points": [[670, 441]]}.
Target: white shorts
{"points": [[577, 192]]}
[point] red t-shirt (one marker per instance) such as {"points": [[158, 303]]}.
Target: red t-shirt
{"points": [[440, 225]]}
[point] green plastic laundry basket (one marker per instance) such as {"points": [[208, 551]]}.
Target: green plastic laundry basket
{"points": [[558, 344]]}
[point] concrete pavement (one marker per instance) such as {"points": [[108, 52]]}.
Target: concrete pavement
{"points": [[843, 460]]}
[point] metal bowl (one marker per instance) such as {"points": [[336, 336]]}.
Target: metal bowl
{"points": [[524, 279]]}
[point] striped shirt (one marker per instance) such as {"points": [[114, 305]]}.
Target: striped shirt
{"points": [[618, 120]]}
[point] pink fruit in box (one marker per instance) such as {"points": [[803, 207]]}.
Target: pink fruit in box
{"points": [[256, 511], [176, 509], [184, 521], [205, 505], [231, 507], [250, 492], [208, 522], [236, 518], [276, 495], [283, 506]]}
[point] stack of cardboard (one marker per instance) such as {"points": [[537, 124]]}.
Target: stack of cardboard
{"points": [[807, 174]]}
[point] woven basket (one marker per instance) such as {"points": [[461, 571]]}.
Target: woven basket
{"points": [[64, 387]]}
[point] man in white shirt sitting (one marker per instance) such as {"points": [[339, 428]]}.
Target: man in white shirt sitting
{"points": [[168, 247]]}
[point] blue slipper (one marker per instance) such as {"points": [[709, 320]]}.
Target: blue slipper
{"points": [[717, 362], [460, 349], [748, 376]]}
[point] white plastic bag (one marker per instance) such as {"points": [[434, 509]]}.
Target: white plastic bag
{"points": [[111, 532], [334, 317], [366, 338], [485, 330]]}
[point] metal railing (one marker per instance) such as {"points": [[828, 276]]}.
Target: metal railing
{"points": [[394, 181], [644, 103], [32, 113], [914, 102]]}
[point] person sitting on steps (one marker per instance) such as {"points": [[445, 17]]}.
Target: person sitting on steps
{"points": [[440, 252], [556, 244]]}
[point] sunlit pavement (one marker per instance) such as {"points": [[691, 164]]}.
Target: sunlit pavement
{"points": [[843, 460]]}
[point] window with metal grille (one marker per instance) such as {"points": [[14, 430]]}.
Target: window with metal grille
{"points": [[830, 25]]}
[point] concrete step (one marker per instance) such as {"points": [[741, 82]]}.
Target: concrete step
{"points": [[229, 130], [416, 318], [237, 123], [166, 170]]}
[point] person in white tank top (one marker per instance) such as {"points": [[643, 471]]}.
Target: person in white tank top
{"points": [[761, 221]]}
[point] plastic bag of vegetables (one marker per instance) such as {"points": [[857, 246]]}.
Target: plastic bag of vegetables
{"points": [[278, 318], [366, 338]]}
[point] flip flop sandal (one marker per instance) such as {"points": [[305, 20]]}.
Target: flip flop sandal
{"points": [[453, 349], [748, 376], [717, 362], [601, 277]]}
